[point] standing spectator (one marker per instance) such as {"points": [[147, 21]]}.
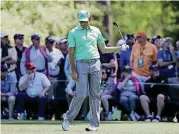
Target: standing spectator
{"points": [[53, 67], [109, 62], [129, 90], [19, 41], [156, 41], [166, 59], [125, 55], [36, 54], [9, 55], [62, 45], [142, 56], [155, 91], [8, 89], [35, 85], [71, 83], [60, 94]]}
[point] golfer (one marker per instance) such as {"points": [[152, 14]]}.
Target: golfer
{"points": [[83, 42]]}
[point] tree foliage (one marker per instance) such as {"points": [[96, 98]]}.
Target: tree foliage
{"points": [[56, 18]]}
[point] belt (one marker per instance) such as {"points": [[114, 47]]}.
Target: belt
{"points": [[90, 60], [40, 71]]}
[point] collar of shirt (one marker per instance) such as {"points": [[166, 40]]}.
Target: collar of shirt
{"points": [[81, 28]]}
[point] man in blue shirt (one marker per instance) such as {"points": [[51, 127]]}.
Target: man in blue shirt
{"points": [[166, 60], [8, 89], [125, 55]]}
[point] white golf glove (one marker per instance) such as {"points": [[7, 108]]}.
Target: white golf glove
{"points": [[122, 45]]}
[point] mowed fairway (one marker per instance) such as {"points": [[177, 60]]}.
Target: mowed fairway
{"points": [[108, 127]]}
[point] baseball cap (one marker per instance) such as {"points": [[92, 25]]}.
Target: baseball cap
{"points": [[3, 34], [18, 36], [141, 34], [83, 15], [126, 69], [155, 38], [35, 37], [30, 65], [49, 40], [61, 40], [4, 67]]}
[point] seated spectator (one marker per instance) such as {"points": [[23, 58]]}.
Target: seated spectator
{"points": [[166, 60], [35, 85], [106, 94], [8, 89], [156, 92], [130, 89]]}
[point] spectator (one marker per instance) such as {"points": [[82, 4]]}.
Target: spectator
{"points": [[109, 61], [130, 89], [36, 54], [35, 85], [106, 95], [62, 45], [9, 55], [166, 59], [53, 67], [8, 89], [156, 92], [177, 56], [142, 56], [19, 41], [60, 94], [71, 83], [156, 41], [125, 55]]}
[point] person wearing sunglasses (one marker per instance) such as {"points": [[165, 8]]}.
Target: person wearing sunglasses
{"points": [[37, 54], [19, 42]]}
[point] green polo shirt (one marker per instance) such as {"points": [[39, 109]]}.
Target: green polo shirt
{"points": [[85, 42]]}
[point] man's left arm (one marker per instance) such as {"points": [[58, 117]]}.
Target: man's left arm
{"points": [[103, 47]]}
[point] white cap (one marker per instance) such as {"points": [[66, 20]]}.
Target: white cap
{"points": [[61, 40], [3, 34], [121, 42]]}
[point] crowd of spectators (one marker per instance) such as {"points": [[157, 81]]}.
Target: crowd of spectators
{"points": [[142, 82]]}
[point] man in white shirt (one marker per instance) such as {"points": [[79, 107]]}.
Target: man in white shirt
{"points": [[53, 67], [35, 85]]}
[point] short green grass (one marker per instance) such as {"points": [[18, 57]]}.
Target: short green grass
{"points": [[78, 127]]}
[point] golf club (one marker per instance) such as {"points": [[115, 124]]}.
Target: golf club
{"points": [[115, 24]]}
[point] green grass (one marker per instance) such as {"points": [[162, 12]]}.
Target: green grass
{"points": [[107, 127]]}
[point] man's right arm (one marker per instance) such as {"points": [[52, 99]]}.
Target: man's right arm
{"points": [[23, 83]]}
